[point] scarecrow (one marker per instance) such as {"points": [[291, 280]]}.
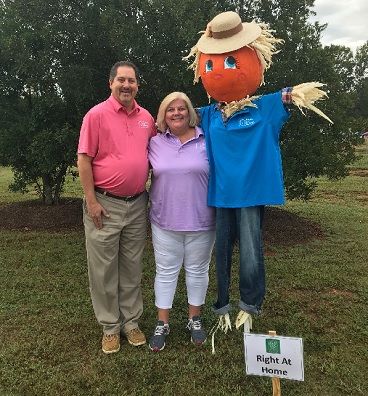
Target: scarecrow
{"points": [[242, 137]]}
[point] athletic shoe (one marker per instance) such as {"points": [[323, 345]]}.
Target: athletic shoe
{"points": [[157, 341], [198, 333]]}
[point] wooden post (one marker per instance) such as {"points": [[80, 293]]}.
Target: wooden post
{"points": [[276, 385]]}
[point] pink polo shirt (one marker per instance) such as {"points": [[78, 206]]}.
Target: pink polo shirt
{"points": [[118, 143]]}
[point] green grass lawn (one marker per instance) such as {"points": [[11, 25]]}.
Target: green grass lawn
{"points": [[50, 341]]}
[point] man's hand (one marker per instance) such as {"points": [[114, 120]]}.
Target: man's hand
{"points": [[96, 211]]}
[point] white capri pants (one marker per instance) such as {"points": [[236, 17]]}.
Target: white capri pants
{"points": [[172, 249]]}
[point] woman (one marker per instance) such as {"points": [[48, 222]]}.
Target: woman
{"points": [[182, 223]]}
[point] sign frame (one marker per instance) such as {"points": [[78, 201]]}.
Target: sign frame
{"points": [[274, 356]]}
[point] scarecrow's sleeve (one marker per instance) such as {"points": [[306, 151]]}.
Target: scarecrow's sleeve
{"points": [[304, 95]]}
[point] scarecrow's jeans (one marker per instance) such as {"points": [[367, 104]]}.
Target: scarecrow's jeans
{"points": [[244, 225]]}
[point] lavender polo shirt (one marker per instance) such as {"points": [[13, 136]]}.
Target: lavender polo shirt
{"points": [[118, 143], [178, 191]]}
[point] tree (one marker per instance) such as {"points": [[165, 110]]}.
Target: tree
{"points": [[361, 77], [50, 57], [37, 143]]}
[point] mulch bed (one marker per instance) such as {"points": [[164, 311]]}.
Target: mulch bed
{"points": [[287, 229], [280, 227], [35, 216]]}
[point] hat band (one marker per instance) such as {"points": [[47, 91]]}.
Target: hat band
{"points": [[228, 33]]}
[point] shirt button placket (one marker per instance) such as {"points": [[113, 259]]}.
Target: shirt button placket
{"points": [[129, 129]]}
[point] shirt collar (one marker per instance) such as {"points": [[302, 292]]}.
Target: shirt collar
{"points": [[117, 106], [198, 132]]}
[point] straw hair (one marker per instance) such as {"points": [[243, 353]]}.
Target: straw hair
{"points": [[265, 46], [161, 123]]}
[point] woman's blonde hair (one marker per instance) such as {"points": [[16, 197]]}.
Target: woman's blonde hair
{"points": [[161, 123]]}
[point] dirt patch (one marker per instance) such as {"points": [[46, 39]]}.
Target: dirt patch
{"points": [[326, 295], [285, 228], [363, 172], [280, 227], [362, 198], [343, 293], [34, 216]]}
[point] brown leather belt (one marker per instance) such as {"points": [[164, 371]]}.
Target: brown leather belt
{"points": [[126, 199]]}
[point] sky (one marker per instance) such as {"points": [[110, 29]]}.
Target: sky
{"points": [[347, 21]]}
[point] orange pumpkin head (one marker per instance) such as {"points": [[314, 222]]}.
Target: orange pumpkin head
{"points": [[231, 75]]}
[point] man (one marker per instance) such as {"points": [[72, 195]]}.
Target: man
{"points": [[113, 169]]}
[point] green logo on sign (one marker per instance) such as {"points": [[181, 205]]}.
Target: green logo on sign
{"points": [[272, 345]]}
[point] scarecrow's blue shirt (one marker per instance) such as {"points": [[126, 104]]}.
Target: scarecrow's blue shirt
{"points": [[244, 154]]}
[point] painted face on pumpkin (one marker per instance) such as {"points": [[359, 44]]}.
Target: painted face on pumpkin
{"points": [[232, 75]]}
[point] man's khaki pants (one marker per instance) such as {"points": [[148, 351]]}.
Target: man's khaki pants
{"points": [[114, 256]]}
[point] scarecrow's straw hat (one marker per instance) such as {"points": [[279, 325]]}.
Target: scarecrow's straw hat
{"points": [[226, 33]]}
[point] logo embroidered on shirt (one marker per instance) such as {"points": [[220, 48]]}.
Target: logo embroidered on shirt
{"points": [[200, 146], [143, 124], [246, 122]]}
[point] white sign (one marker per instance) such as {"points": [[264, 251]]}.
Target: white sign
{"points": [[274, 356]]}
